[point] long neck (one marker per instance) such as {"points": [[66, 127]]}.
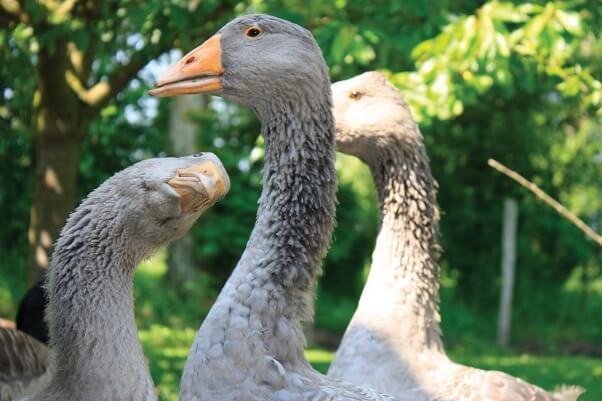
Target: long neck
{"points": [[96, 350], [403, 281], [272, 286], [297, 206]]}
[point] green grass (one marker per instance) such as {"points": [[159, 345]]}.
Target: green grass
{"points": [[546, 371], [168, 318], [167, 350]]}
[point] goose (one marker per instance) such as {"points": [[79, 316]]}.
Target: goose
{"points": [[250, 345], [30, 315], [393, 342], [24, 356], [23, 363], [95, 351]]}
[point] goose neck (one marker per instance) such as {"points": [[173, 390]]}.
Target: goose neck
{"points": [[91, 312], [405, 274], [271, 289], [297, 205]]}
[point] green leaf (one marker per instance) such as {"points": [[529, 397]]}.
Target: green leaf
{"points": [[571, 21], [507, 12], [342, 42]]}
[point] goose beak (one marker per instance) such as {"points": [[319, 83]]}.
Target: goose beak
{"points": [[197, 72], [200, 185]]}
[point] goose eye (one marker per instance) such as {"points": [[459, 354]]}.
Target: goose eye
{"points": [[355, 95], [253, 32]]}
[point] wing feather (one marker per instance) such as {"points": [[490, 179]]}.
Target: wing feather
{"points": [[23, 363]]}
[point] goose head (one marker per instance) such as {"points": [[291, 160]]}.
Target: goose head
{"points": [[159, 199], [255, 60], [371, 116]]}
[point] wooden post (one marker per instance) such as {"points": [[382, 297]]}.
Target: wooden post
{"points": [[508, 264]]}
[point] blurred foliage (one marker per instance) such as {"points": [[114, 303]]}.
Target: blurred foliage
{"points": [[517, 81], [515, 49], [514, 82]]}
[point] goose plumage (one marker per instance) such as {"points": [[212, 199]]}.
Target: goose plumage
{"points": [[30, 315], [23, 364], [95, 354], [393, 342], [24, 357], [250, 346]]}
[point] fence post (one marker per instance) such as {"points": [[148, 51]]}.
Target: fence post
{"points": [[510, 220]]}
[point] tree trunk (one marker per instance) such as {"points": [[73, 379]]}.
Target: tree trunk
{"points": [[56, 168], [508, 262], [55, 178], [182, 136], [182, 128]]}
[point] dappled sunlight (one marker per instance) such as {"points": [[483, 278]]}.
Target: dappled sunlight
{"points": [[52, 181], [166, 349], [320, 359], [154, 267]]}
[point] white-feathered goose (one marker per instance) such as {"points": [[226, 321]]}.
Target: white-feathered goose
{"points": [[250, 346], [393, 342], [95, 351]]}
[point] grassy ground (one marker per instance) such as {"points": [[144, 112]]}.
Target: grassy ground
{"points": [[168, 319], [167, 350]]}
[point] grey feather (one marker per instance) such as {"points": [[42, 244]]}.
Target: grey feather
{"points": [[24, 364], [250, 346], [95, 352], [393, 343]]}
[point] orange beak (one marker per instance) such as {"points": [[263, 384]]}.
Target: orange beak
{"points": [[197, 72], [200, 186]]}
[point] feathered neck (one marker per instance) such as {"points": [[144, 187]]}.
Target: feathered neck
{"points": [[271, 290], [297, 205], [95, 346], [403, 283]]}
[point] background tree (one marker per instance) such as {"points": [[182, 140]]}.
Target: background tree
{"points": [[83, 54], [182, 134]]}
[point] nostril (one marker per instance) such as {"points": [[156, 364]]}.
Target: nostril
{"points": [[198, 154], [190, 60]]}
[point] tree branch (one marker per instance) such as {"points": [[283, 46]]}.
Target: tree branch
{"points": [[91, 13], [76, 60], [101, 93], [547, 199]]}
